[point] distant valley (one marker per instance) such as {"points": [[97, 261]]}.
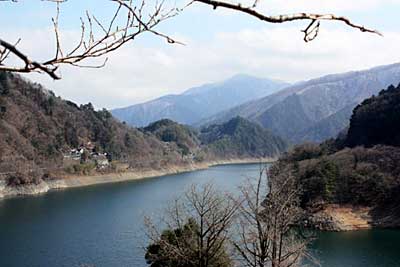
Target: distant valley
{"points": [[200, 102], [43, 136], [314, 110]]}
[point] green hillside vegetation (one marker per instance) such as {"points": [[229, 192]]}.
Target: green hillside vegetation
{"points": [[360, 168], [169, 131], [241, 138], [237, 138], [377, 120]]}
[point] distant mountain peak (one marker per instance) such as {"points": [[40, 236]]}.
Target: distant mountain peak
{"points": [[199, 102], [316, 109], [241, 76]]}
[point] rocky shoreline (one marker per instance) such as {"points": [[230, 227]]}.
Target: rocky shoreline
{"points": [[341, 218], [338, 218], [80, 181]]}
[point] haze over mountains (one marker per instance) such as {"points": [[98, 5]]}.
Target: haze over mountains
{"points": [[200, 102], [313, 110]]}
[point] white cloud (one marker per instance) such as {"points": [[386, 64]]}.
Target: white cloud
{"points": [[140, 72]]}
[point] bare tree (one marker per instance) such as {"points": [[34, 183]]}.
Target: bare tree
{"points": [[96, 40], [196, 230], [267, 230], [129, 20]]}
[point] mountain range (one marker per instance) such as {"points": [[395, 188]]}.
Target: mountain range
{"points": [[313, 110], [200, 102]]}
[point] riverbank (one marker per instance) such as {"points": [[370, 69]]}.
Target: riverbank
{"points": [[81, 181], [341, 218], [338, 218]]}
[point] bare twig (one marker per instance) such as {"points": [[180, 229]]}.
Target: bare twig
{"points": [[132, 23], [91, 44], [310, 32]]}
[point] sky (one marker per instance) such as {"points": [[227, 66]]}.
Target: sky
{"points": [[218, 44]]}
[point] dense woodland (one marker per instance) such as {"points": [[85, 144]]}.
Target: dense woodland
{"points": [[239, 137], [360, 167], [376, 120], [39, 130]]}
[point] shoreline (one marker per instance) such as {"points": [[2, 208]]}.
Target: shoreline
{"points": [[82, 181], [347, 217]]}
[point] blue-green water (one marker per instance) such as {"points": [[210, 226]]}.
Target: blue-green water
{"points": [[102, 225]]}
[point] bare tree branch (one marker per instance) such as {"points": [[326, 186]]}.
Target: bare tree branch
{"points": [[131, 23], [266, 229], [196, 232], [130, 20], [309, 33]]}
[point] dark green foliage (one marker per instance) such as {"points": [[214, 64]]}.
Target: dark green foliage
{"points": [[240, 138], [70, 134], [81, 169], [376, 120], [25, 177], [320, 181], [157, 254], [363, 175], [305, 151], [48, 104], [359, 176], [4, 83], [169, 131]]}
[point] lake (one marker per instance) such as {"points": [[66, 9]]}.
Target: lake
{"points": [[101, 225]]}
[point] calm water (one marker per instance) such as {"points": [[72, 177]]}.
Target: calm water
{"points": [[102, 225]]}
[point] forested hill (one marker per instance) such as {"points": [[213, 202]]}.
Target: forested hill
{"points": [[239, 137], [377, 120], [36, 127], [358, 168], [317, 109], [40, 130]]}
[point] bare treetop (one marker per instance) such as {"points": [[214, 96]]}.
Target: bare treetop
{"points": [[97, 39], [130, 19]]}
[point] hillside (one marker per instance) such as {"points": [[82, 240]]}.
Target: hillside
{"points": [[199, 102], [313, 110], [376, 120], [169, 131], [40, 129], [43, 136], [358, 169], [241, 138], [235, 139]]}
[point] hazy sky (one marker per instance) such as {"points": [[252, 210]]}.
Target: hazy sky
{"points": [[219, 44]]}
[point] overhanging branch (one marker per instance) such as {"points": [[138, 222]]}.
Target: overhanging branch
{"points": [[96, 40], [310, 32]]}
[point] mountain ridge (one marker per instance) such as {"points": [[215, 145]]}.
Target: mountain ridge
{"points": [[317, 100], [199, 102]]}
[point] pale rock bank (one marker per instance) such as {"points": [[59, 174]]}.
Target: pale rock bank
{"points": [[341, 218]]}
